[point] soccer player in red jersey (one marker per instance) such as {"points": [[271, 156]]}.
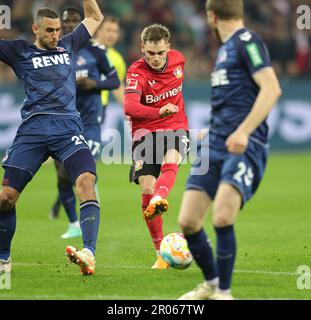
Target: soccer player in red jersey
{"points": [[154, 102]]}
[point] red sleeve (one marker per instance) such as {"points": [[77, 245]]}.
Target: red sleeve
{"points": [[134, 109]]}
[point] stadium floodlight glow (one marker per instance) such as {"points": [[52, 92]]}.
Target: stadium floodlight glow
{"points": [[5, 17], [304, 20]]}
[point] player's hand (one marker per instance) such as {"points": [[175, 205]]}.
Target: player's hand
{"points": [[168, 110], [86, 84], [237, 142]]}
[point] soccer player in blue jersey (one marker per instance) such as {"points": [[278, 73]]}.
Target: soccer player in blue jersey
{"points": [[94, 74], [51, 126], [244, 90]]}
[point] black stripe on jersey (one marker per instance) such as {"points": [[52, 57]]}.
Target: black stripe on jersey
{"points": [[133, 91]]}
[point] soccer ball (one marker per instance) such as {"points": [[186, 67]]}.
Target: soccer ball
{"points": [[174, 250]]}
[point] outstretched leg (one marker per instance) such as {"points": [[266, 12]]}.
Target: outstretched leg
{"points": [[164, 184]]}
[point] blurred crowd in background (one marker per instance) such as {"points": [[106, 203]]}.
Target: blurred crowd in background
{"points": [[275, 20]]}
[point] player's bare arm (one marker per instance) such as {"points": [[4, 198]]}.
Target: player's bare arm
{"points": [[93, 16], [269, 93]]}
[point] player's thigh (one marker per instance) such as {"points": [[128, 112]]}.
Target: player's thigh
{"points": [[193, 211], [205, 173], [244, 172], [22, 160], [69, 147], [176, 146], [147, 183], [79, 163], [172, 156], [226, 206]]}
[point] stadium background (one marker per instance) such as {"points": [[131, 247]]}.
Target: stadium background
{"points": [[290, 49], [273, 235]]}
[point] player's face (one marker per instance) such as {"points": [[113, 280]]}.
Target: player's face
{"points": [[48, 32], [156, 53], [69, 21], [109, 34]]}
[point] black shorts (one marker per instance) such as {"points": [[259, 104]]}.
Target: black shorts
{"points": [[148, 153]]}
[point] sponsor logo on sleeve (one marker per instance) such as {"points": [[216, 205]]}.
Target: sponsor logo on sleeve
{"points": [[131, 84], [254, 54]]}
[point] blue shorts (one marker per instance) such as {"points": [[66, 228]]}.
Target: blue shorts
{"points": [[92, 134], [244, 172], [42, 136]]}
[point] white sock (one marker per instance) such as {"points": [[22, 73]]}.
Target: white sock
{"points": [[158, 253], [214, 282], [155, 199], [88, 251]]}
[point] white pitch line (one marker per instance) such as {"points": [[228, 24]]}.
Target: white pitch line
{"points": [[266, 272], [273, 273]]}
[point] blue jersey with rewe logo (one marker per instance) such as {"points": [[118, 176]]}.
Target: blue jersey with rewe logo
{"points": [[49, 75], [234, 90]]}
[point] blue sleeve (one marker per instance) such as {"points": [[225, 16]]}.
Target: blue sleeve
{"points": [[254, 52], [77, 39], [8, 52], [109, 78]]}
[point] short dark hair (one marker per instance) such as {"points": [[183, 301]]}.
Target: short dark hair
{"points": [[72, 9], [226, 9], [155, 33], [45, 13], [111, 19]]}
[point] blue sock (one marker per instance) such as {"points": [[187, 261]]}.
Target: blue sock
{"points": [[226, 250], [7, 230], [68, 199], [203, 254], [89, 222]]}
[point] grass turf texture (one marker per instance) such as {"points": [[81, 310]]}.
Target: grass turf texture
{"points": [[273, 234]]}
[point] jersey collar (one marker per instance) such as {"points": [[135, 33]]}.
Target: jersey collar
{"points": [[233, 34]]}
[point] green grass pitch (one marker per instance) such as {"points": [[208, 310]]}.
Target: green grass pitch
{"points": [[273, 234]]}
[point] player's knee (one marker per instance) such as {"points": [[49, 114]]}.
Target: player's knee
{"points": [[222, 220], [147, 190], [188, 227], [85, 184], [223, 215], [7, 201]]}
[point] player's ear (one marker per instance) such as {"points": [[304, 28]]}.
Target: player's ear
{"points": [[142, 48], [35, 28]]}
